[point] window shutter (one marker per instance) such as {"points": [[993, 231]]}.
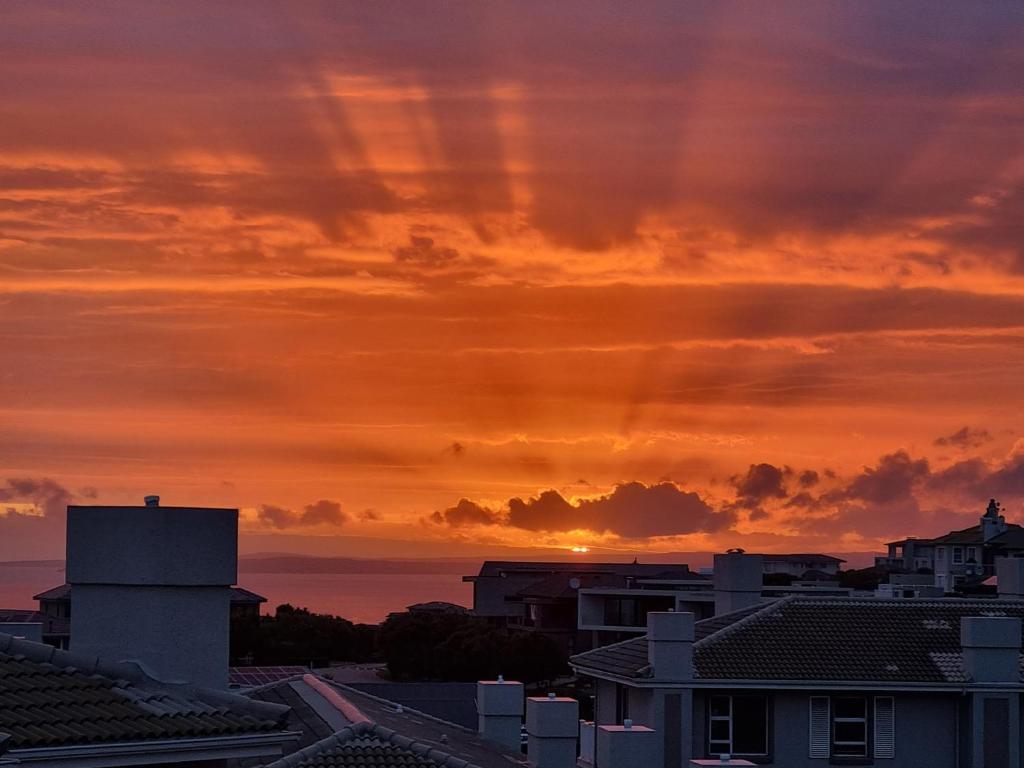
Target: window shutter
{"points": [[885, 735], [820, 735]]}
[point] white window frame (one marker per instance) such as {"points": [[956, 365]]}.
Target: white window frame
{"points": [[958, 556], [865, 721], [713, 751], [971, 554]]}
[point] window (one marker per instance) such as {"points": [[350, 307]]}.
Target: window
{"points": [[940, 553], [958, 555], [738, 725], [849, 726], [839, 727], [972, 555]]}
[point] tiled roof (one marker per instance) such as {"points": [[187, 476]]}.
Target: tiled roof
{"points": [[970, 535], [55, 698], [368, 745], [629, 657], [437, 734], [914, 641]]}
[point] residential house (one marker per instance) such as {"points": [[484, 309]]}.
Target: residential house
{"points": [[803, 682], [72, 710], [612, 614], [959, 557], [796, 565]]}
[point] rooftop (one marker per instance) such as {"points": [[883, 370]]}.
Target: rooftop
{"points": [[377, 728], [495, 568], [239, 595], [822, 639], [55, 698]]}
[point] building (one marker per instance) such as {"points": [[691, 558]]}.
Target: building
{"points": [[59, 708], [52, 630], [802, 682], [800, 564], [543, 597], [612, 614], [500, 588], [339, 725], [959, 557]]}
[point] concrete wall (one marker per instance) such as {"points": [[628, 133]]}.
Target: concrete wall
{"points": [[152, 584], [154, 625], [177, 546], [926, 727]]}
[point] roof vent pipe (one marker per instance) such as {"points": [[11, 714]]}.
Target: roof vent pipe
{"points": [[152, 501]]}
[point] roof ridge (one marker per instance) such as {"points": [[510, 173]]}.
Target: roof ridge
{"points": [[768, 607], [382, 700], [610, 645]]}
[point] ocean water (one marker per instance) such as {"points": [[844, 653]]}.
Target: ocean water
{"points": [[360, 597]]}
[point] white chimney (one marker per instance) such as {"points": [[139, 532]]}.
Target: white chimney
{"points": [[992, 523], [991, 648], [153, 584], [499, 706], [670, 645], [552, 727], [738, 581], [627, 746]]}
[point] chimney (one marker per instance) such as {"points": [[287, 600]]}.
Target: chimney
{"points": [[738, 580], [499, 706], [153, 584], [991, 648], [992, 523], [552, 727], [1010, 577], [627, 746], [670, 645]]}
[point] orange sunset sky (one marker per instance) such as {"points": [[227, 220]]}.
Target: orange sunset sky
{"points": [[644, 276]]}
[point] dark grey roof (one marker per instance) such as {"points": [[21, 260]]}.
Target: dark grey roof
{"points": [[369, 745], [801, 558], [494, 568], [914, 641], [50, 697], [393, 736], [629, 657], [447, 737], [454, 702], [302, 718]]}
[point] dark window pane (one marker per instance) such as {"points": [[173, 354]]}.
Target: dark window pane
{"points": [[850, 732], [749, 725], [719, 730], [720, 706], [849, 707]]}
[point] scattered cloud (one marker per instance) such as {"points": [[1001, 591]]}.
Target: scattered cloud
{"points": [[965, 437], [322, 512]]}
